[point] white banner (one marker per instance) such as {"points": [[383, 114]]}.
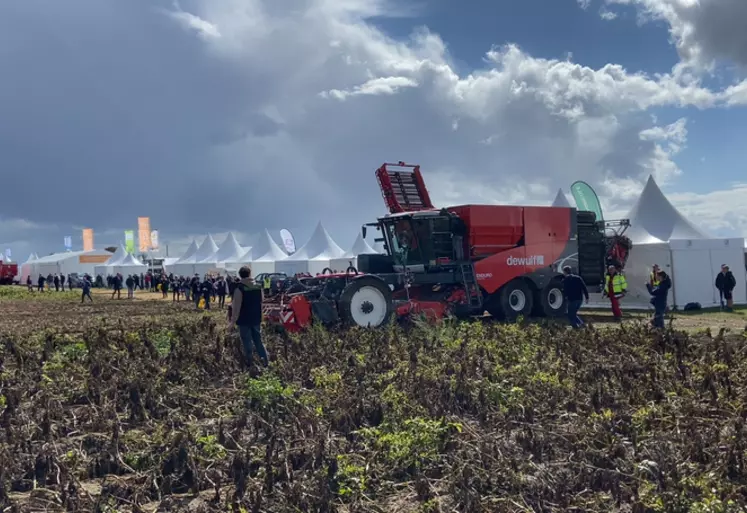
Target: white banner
{"points": [[154, 239]]}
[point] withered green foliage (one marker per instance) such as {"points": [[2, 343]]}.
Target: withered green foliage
{"points": [[471, 417]]}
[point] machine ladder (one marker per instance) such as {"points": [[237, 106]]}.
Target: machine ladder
{"points": [[471, 287]]}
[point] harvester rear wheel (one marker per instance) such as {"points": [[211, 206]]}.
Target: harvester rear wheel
{"points": [[516, 299], [551, 299], [366, 302]]}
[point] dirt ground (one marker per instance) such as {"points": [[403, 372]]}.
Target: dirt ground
{"points": [[69, 313]]}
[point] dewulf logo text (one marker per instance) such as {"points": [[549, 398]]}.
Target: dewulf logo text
{"points": [[530, 260]]}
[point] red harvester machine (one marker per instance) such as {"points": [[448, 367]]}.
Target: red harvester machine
{"points": [[462, 260], [8, 272]]}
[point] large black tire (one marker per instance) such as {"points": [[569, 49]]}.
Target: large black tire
{"points": [[366, 302], [516, 299], [552, 302]]}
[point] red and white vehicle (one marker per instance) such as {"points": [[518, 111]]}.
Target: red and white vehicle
{"points": [[461, 260]]}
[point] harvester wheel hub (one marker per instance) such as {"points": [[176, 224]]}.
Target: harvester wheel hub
{"points": [[517, 300], [555, 298], [368, 307]]}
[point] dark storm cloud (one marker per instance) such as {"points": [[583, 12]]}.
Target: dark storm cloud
{"points": [[112, 110], [720, 28]]}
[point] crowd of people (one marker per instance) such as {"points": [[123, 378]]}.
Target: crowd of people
{"points": [[616, 287]]}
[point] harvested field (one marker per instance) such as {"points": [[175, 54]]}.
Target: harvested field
{"points": [[143, 406]]}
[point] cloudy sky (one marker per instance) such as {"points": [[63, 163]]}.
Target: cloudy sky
{"points": [[216, 115]]}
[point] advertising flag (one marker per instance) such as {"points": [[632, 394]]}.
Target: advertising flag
{"points": [[68, 242], [586, 199], [130, 241], [143, 233], [154, 240], [288, 241], [87, 239], [7, 254]]}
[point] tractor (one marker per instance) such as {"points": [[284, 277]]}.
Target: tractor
{"points": [[459, 261]]}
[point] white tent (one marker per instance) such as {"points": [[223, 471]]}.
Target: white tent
{"points": [[561, 200], [69, 262], [204, 261], [263, 256], [314, 256], [108, 268], [129, 265], [662, 235], [360, 247], [229, 251], [25, 271], [185, 265]]}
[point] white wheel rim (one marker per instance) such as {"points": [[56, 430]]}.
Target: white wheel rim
{"points": [[368, 307], [517, 300], [555, 299]]}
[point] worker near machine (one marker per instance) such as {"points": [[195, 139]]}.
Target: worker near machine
{"points": [[246, 314], [575, 292], [267, 282], [659, 296], [725, 283], [653, 278], [615, 288]]}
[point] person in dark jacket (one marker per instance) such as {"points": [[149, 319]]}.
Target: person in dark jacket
{"points": [[41, 283], [29, 283], [659, 296], [86, 284], [575, 291], [725, 283], [117, 286], [56, 283], [207, 292], [62, 282], [130, 282], [246, 314]]}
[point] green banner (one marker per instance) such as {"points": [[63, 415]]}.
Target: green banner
{"points": [[586, 199], [130, 241]]}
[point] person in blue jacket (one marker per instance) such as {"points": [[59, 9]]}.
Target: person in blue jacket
{"points": [[659, 295]]}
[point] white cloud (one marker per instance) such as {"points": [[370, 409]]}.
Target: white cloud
{"points": [[607, 15], [282, 110]]}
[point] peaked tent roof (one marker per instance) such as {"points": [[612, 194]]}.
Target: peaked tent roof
{"points": [[360, 247], [265, 250], [130, 261], [207, 249], [119, 254], [31, 258], [189, 256], [654, 219], [229, 251], [319, 246], [561, 200]]}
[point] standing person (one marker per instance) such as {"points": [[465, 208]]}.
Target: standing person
{"points": [[725, 283], [659, 296], [207, 291], [175, 290], [49, 281], [86, 284], [221, 288], [195, 286], [136, 281], [56, 283], [164, 286], [575, 292], [117, 286], [267, 282], [62, 282], [653, 278], [29, 283], [41, 283], [615, 287], [130, 282], [246, 306]]}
